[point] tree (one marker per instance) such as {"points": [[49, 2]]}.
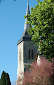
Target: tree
{"points": [[41, 19], [5, 80], [39, 75], [0, 81]]}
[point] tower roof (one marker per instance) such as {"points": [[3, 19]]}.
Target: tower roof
{"points": [[25, 36]]}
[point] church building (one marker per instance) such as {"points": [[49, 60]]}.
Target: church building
{"points": [[26, 49]]}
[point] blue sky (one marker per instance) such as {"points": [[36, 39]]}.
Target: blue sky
{"points": [[11, 29]]}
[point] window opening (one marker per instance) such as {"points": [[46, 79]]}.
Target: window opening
{"points": [[32, 54], [29, 53]]}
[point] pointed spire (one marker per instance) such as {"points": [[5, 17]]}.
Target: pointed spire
{"points": [[27, 12], [26, 26], [25, 35]]}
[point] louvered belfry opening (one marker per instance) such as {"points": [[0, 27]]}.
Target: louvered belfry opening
{"points": [[32, 53], [29, 53]]}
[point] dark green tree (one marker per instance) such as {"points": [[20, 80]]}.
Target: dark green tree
{"points": [[41, 19], [0, 82], [5, 80]]}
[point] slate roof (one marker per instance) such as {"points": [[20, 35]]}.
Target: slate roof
{"points": [[25, 36]]}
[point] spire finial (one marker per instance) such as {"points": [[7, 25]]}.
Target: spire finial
{"points": [[27, 12], [28, 2]]}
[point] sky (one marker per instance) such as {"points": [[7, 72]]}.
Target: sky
{"points": [[11, 29]]}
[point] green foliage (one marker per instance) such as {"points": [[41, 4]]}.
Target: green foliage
{"points": [[5, 80], [29, 66], [41, 19], [0, 81]]}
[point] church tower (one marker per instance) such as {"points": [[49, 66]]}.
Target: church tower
{"points": [[26, 49]]}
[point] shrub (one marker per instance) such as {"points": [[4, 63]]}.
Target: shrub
{"points": [[39, 75]]}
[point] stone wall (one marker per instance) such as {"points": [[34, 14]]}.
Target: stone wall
{"points": [[23, 55], [29, 45], [20, 60]]}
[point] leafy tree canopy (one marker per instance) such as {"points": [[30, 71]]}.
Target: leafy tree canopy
{"points": [[41, 19]]}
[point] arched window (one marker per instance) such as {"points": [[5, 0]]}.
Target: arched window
{"points": [[32, 54], [29, 53]]}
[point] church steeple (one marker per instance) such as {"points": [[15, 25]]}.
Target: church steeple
{"points": [[25, 35], [26, 26], [26, 49]]}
